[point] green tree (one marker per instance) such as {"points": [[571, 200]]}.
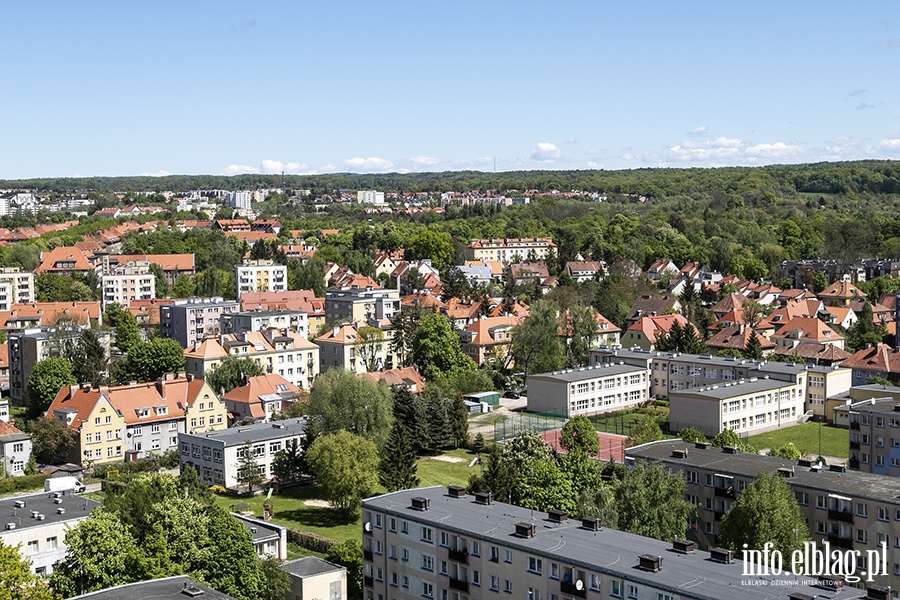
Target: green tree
{"points": [[498, 476], [582, 331], [161, 286], [17, 582], [436, 348], [478, 443], [339, 400], [232, 568], [535, 347], [289, 463], [787, 450], [434, 245], [247, 467], [52, 442], [753, 349], [346, 466], [437, 419], [766, 511], [47, 378], [645, 429], [127, 333], [371, 341], [578, 436], [349, 554], [100, 552], [459, 421], [397, 469], [277, 580], [232, 372], [89, 358], [691, 435], [409, 409], [726, 438], [183, 288], [544, 486], [651, 502], [147, 361]]}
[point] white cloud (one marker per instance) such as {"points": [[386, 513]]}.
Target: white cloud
{"points": [[329, 168], [776, 150], [276, 166], [891, 144], [369, 164], [698, 131], [595, 165], [545, 151], [239, 170], [424, 161], [716, 149], [864, 106], [156, 174], [571, 140]]}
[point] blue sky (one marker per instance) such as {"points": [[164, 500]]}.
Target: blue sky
{"points": [[128, 88]]}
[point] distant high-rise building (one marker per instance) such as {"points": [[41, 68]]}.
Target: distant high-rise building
{"points": [[369, 197], [240, 200]]}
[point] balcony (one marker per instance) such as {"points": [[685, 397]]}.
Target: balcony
{"points": [[840, 515], [719, 514], [369, 581], [854, 425], [459, 584], [570, 589], [840, 542], [854, 463], [725, 492], [854, 445], [367, 555], [459, 556]]}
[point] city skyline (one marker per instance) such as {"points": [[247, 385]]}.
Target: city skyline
{"points": [[105, 89]]}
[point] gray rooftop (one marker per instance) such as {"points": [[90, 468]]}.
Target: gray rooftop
{"points": [[608, 552], [570, 375], [275, 312], [309, 566], [75, 507], [706, 359], [735, 388], [873, 405], [260, 531], [854, 484], [259, 432], [179, 587]]}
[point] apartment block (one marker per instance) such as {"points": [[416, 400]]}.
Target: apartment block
{"points": [[589, 390], [189, 321], [438, 543], [850, 509], [353, 303], [505, 250], [16, 287], [216, 454], [124, 283], [257, 320], [344, 347], [37, 524], [259, 276], [369, 197], [873, 416]]}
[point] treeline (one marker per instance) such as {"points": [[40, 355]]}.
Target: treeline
{"points": [[857, 177]]}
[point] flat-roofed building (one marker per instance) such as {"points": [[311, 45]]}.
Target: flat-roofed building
{"points": [[130, 281], [269, 539], [257, 320], [38, 524], [589, 390], [873, 416], [505, 250], [312, 577], [190, 320], [259, 276], [178, 587], [16, 287], [442, 543], [353, 303]]}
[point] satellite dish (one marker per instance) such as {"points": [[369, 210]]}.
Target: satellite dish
{"points": [[579, 585], [368, 526]]}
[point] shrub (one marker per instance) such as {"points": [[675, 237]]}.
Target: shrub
{"points": [[21, 484]]}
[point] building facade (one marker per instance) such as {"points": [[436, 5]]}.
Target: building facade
{"points": [[589, 390], [259, 276], [124, 283], [352, 303], [257, 320], [505, 250], [15, 448], [189, 321], [16, 287]]}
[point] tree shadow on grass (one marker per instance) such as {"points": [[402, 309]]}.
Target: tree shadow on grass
{"points": [[316, 516]]}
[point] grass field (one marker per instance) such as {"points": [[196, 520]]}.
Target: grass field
{"points": [[835, 441]]}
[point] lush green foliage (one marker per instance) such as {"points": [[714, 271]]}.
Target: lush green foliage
{"points": [[147, 361], [341, 401], [346, 466], [232, 372], [17, 582], [578, 436], [397, 467], [52, 442], [436, 349], [47, 378], [651, 502]]}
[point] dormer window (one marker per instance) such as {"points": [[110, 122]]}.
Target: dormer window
{"points": [[161, 410], [142, 411]]}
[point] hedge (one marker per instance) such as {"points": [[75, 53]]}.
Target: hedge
{"points": [[310, 541], [21, 484]]}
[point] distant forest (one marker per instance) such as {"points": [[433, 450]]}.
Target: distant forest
{"points": [[858, 177]]}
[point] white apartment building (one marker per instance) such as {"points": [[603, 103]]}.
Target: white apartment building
{"points": [[190, 320], [16, 287], [505, 250], [589, 390], [369, 197], [260, 276], [240, 200], [38, 525], [353, 303], [216, 454], [124, 283], [257, 320]]}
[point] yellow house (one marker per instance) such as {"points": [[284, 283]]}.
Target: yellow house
{"points": [[99, 425]]}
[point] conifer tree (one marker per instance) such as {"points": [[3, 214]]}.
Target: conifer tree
{"points": [[753, 349], [397, 469]]}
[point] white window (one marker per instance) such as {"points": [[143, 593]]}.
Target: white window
{"points": [[427, 534], [32, 547], [534, 565], [52, 543], [615, 588], [427, 589], [428, 562]]}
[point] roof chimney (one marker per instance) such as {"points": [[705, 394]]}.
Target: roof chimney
{"points": [[161, 387]]}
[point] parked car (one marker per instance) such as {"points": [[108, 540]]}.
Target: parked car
{"points": [[513, 395]]}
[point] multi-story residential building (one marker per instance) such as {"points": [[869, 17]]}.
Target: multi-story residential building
{"points": [[37, 525], [352, 303], [216, 454], [878, 361], [589, 390], [15, 448], [437, 543], [129, 422], [312, 577], [64, 260], [873, 416], [369, 197], [37, 314], [352, 346], [26, 348], [260, 398], [189, 321], [240, 200], [488, 339], [259, 276], [505, 250], [297, 300], [124, 283], [257, 320], [16, 287], [278, 351], [851, 510], [173, 265]]}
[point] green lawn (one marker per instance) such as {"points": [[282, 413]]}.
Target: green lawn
{"points": [[835, 441], [436, 472]]}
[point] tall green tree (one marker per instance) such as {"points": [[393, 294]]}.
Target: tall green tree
{"points": [[277, 579], [346, 466], [371, 341], [578, 436], [753, 349], [147, 361], [89, 358], [232, 372], [766, 511], [397, 469], [437, 413], [645, 430], [582, 331], [247, 468], [289, 463], [535, 346], [651, 502], [52, 442], [17, 582], [127, 333], [409, 409], [339, 400], [47, 378], [459, 421], [436, 348], [434, 245]]}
